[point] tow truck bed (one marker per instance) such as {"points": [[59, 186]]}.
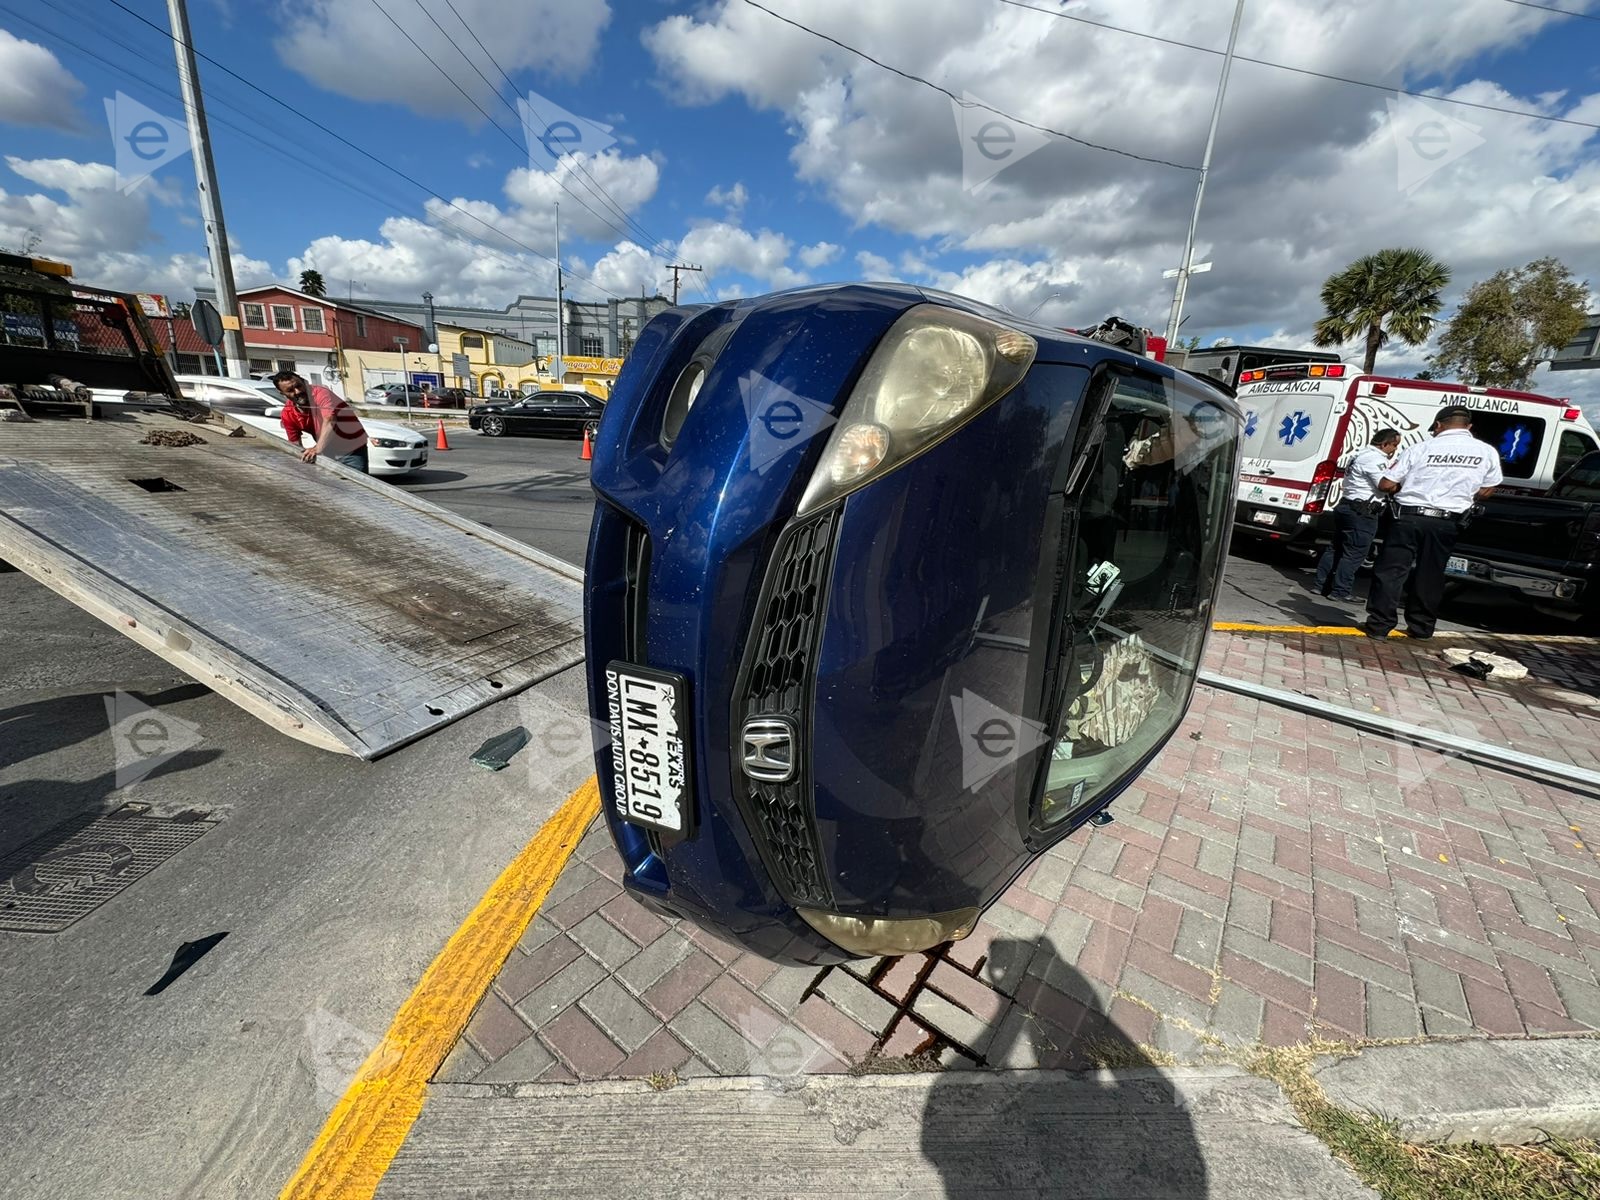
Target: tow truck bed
{"points": [[341, 610]]}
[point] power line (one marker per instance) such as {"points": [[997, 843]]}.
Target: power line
{"points": [[293, 157], [361, 150], [598, 189], [1277, 66], [1565, 12], [928, 83], [450, 79]]}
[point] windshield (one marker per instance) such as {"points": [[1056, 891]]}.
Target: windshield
{"points": [[1152, 518], [1286, 421]]}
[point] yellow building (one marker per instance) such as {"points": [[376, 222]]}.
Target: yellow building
{"points": [[597, 375], [494, 362]]}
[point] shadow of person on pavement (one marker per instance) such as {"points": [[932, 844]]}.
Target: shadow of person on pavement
{"points": [[1041, 1132], [36, 728]]}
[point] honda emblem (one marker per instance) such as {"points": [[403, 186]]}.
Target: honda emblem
{"points": [[767, 749]]}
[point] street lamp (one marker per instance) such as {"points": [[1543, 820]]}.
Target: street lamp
{"points": [[1042, 303], [405, 382]]}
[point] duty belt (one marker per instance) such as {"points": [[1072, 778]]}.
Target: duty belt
{"points": [[1422, 510]]}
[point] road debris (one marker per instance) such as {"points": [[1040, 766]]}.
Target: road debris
{"points": [[172, 437], [1480, 664], [496, 753]]}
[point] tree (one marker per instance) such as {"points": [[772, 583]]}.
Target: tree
{"points": [[1393, 293], [1510, 323], [311, 283]]}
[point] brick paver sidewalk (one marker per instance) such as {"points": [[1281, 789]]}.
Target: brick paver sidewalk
{"points": [[1273, 877]]}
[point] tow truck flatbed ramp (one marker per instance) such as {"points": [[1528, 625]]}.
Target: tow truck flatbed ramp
{"points": [[338, 608]]}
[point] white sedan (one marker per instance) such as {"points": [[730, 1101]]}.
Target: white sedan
{"points": [[229, 394], [391, 449]]}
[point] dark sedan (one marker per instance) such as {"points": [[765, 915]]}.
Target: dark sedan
{"points": [[543, 414], [887, 592]]}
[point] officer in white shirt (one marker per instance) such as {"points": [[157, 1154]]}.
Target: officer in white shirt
{"points": [[1435, 484], [1355, 519]]}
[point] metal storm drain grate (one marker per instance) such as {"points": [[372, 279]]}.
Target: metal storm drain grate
{"points": [[76, 867]]}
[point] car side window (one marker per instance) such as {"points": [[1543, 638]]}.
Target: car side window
{"points": [[1573, 447], [1152, 512], [1581, 481]]}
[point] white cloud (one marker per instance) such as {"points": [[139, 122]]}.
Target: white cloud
{"points": [[626, 269], [719, 246], [35, 89], [875, 266], [819, 254], [1306, 176], [354, 50], [629, 182], [733, 199]]}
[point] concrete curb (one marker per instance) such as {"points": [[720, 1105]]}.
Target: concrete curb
{"points": [[1167, 1134], [1182, 1082], [1510, 1092]]}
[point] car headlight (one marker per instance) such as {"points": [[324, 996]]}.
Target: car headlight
{"points": [[386, 443], [934, 371], [890, 935]]}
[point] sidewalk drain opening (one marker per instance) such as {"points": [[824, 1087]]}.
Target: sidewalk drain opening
{"points": [[71, 870], [156, 485]]}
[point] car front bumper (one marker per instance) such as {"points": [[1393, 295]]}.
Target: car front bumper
{"points": [[387, 460], [1557, 588]]}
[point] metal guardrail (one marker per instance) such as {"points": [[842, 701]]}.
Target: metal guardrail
{"points": [[1432, 739]]}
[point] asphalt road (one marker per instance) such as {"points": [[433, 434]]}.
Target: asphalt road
{"points": [[537, 490], [1267, 585], [533, 489], [335, 881]]}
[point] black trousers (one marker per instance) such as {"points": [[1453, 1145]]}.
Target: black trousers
{"points": [[1412, 562]]}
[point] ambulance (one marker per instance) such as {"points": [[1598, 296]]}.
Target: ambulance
{"points": [[1304, 422]]}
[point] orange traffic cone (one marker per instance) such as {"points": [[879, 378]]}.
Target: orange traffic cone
{"points": [[443, 442], [588, 445]]}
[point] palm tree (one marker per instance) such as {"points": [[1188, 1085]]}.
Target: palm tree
{"points": [[1393, 293], [311, 283]]}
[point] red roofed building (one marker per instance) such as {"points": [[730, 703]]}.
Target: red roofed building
{"points": [[285, 329]]}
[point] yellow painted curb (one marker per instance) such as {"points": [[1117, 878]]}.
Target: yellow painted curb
{"points": [[376, 1112], [1325, 630], [1555, 639]]}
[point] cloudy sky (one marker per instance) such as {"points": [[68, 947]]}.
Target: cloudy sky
{"points": [[386, 143]]}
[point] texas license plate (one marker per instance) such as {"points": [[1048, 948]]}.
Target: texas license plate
{"points": [[1456, 566], [649, 745], [1265, 518]]}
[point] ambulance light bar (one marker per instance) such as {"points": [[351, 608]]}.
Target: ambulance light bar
{"points": [[1295, 371]]}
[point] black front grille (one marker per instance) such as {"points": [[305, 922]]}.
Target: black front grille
{"points": [[636, 589], [776, 680]]}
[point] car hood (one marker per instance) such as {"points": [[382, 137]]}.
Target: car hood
{"points": [[387, 429]]}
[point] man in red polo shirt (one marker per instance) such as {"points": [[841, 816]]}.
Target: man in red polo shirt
{"points": [[332, 424]]}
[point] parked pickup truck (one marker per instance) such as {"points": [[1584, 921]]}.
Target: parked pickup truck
{"points": [[1546, 547]]}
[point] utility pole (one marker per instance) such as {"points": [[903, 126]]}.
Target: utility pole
{"points": [[1186, 267], [675, 268], [557, 369], [205, 170]]}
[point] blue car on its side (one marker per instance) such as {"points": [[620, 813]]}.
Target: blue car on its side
{"points": [[887, 592]]}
